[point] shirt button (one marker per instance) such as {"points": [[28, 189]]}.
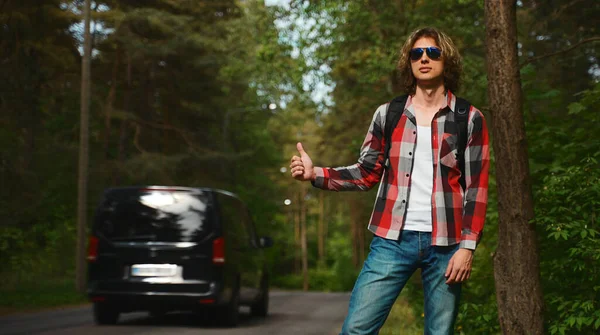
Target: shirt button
{"points": [[403, 201], [414, 132], [410, 153], [407, 174]]}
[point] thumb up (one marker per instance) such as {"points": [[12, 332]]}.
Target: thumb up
{"points": [[302, 166]]}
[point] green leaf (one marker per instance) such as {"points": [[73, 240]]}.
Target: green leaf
{"points": [[576, 108]]}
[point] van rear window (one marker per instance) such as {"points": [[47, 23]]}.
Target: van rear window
{"points": [[156, 215]]}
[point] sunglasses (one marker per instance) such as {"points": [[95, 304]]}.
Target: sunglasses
{"points": [[432, 52]]}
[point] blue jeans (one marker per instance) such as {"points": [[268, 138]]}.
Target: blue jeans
{"points": [[385, 272]]}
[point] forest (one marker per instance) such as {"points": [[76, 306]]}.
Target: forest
{"points": [[216, 93]]}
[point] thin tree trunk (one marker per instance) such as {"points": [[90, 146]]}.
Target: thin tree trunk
{"points": [[321, 227], [83, 155], [124, 123], [110, 100], [516, 263], [303, 239], [326, 229], [361, 242], [297, 233], [354, 233]]}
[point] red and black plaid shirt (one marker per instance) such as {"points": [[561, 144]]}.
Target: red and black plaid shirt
{"points": [[457, 216]]}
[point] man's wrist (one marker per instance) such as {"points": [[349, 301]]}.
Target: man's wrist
{"points": [[317, 171]]}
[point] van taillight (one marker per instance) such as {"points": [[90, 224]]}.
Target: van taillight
{"points": [[219, 251], [92, 249]]}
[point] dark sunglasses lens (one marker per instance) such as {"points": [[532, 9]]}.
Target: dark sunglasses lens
{"points": [[434, 53], [416, 54]]}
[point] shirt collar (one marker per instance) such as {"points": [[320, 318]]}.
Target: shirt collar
{"points": [[449, 101]]}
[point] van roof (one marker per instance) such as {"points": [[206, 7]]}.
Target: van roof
{"points": [[169, 188]]}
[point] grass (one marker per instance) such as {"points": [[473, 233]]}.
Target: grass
{"points": [[402, 320], [42, 295]]}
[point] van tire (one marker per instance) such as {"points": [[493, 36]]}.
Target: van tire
{"points": [[105, 314], [260, 308], [231, 311]]}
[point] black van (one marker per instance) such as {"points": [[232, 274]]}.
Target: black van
{"points": [[160, 249]]}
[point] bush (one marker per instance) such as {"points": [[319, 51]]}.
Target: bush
{"points": [[568, 210]]}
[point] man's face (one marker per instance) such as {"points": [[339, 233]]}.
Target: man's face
{"points": [[427, 71]]}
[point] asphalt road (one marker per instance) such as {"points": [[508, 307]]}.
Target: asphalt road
{"points": [[301, 313]]}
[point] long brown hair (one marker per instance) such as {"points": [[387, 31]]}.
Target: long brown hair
{"points": [[450, 57]]}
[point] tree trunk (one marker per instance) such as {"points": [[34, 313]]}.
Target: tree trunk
{"points": [[354, 222], [110, 101], [353, 240], [516, 263], [321, 228], [325, 230], [124, 123], [360, 228], [297, 244], [83, 155], [303, 238]]}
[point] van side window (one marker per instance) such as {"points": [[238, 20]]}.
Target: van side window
{"points": [[233, 221]]}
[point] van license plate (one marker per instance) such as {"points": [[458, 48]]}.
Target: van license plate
{"points": [[153, 270]]}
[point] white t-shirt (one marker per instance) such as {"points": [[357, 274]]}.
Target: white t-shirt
{"points": [[418, 215]]}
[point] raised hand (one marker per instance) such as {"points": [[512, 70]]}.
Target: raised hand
{"points": [[302, 167]]}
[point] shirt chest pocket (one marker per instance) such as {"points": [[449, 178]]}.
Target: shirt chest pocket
{"points": [[449, 150]]}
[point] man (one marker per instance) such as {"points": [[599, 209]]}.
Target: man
{"points": [[422, 218]]}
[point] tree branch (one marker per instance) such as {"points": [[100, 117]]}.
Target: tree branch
{"points": [[534, 59], [136, 139], [542, 24], [181, 132]]}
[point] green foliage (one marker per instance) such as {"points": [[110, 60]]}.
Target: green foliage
{"points": [[568, 210], [48, 293], [566, 174], [321, 279], [42, 253], [179, 96]]}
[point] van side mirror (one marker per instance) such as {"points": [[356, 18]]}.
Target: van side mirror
{"points": [[266, 242]]}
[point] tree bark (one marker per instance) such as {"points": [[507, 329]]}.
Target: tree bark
{"points": [[80, 270], [516, 263]]}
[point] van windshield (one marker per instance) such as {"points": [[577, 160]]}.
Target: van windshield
{"points": [[155, 215]]}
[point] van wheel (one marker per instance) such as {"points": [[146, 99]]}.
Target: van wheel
{"points": [[230, 316], [261, 307], [105, 314]]}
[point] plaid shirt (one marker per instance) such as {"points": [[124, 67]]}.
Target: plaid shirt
{"points": [[457, 216]]}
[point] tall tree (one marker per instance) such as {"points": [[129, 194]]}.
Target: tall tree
{"points": [[83, 151], [516, 263]]}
